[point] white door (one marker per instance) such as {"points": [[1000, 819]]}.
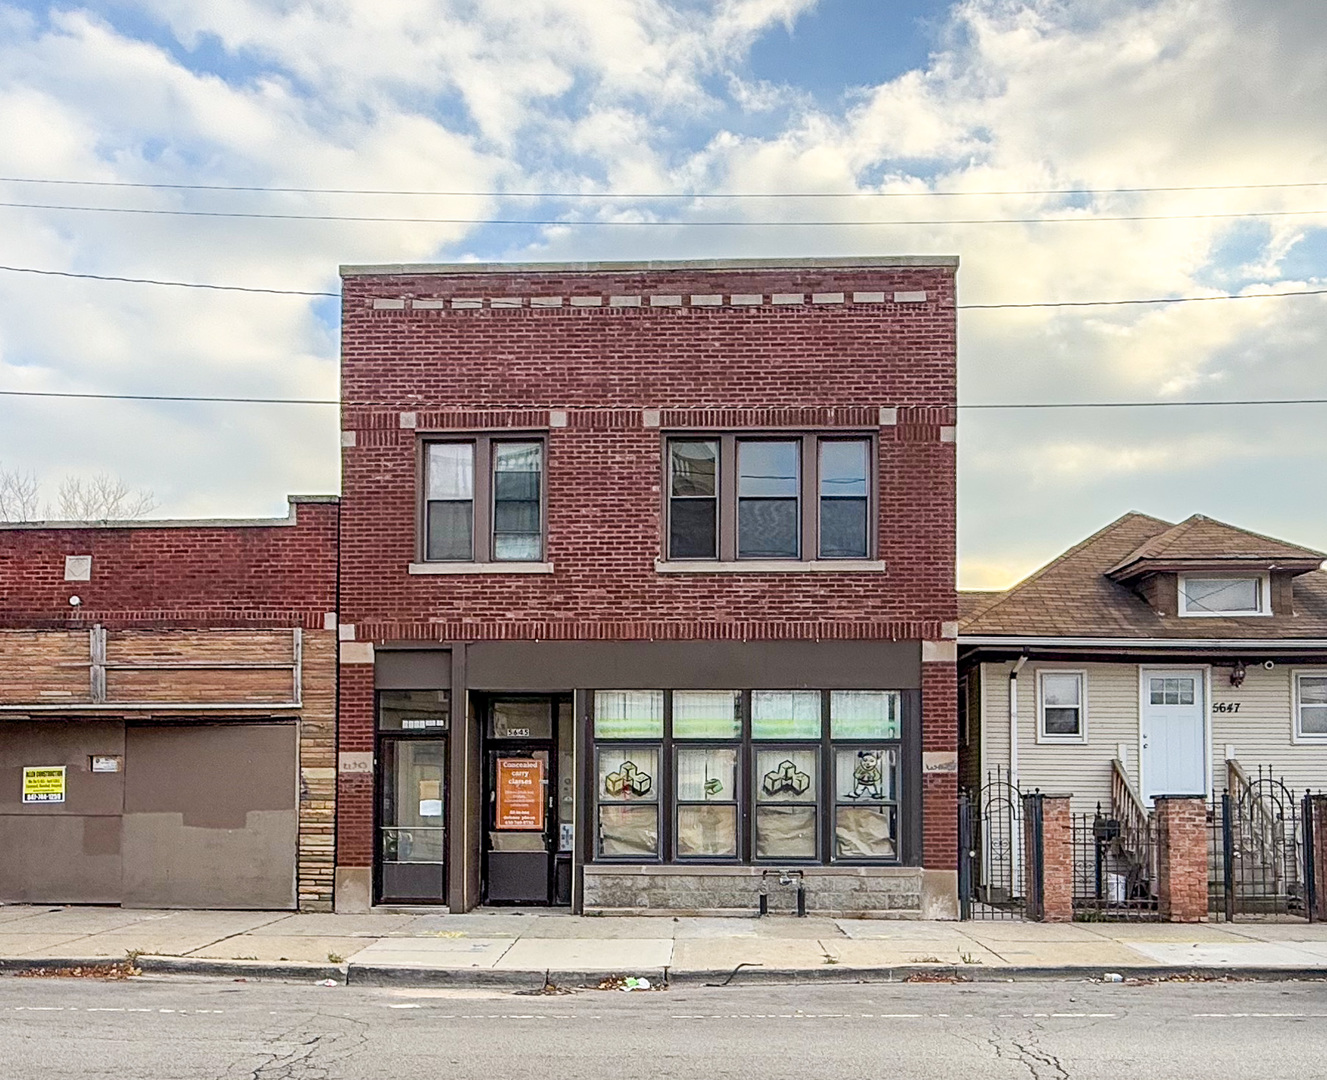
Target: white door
{"points": [[1174, 734]]}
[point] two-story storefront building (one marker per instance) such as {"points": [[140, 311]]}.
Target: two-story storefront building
{"points": [[647, 586]]}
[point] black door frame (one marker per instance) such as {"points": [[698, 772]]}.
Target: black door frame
{"points": [[380, 793], [490, 749]]}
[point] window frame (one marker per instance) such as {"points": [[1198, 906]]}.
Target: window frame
{"points": [[1264, 580], [905, 801], [483, 497], [808, 494], [1297, 733], [1044, 736]]}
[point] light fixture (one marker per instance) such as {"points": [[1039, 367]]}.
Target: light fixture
{"points": [[1237, 674]]}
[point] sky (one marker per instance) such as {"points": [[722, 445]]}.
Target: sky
{"points": [[997, 101]]}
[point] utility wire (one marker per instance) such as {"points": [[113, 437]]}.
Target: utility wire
{"points": [[652, 195], [958, 307], [731, 223], [976, 405], [158, 281]]}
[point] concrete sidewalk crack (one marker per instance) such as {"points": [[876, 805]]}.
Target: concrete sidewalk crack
{"points": [[240, 933]]}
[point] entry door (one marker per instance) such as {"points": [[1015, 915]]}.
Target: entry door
{"points": [[521, 824], [1174, 734], [412, 838]]}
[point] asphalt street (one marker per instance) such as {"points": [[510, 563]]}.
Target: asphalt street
{"points": [[170, 1028]]}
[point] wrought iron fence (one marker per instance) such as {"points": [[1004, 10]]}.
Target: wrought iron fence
{"points": [[991, 871], [1113, 869], [1260, 851]]}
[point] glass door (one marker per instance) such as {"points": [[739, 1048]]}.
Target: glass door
{"points": [[520, 776], [412, 838]]}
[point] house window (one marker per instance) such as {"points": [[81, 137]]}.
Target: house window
{"points": [[693, 506], [1060, 708], [753, 776], [760, 498], [1311, 706], [484, 500], [1224, 595]]}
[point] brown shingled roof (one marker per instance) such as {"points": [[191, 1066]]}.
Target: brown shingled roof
{"points": [[1202, 540], [1072, 596]]}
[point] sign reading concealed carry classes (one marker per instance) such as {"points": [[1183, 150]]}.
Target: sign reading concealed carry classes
{"points": [[43, 783], [520, 793]]}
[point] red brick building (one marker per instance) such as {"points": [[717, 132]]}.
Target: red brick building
{"points": [[167, 711], [647, 585]]}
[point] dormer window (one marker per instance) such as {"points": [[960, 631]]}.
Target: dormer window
{"points": [[1204, 595]]}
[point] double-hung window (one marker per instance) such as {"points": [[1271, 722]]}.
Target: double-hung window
{"points": [[1060, 706], [484, 500], [765, 497], [1311, 706]]}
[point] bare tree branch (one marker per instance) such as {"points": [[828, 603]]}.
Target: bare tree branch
{"points": [[18, 495], [100, 497]]}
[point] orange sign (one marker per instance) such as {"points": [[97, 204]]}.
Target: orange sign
{"points": [[521, 793]]}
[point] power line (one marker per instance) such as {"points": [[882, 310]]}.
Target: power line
{"points": [[1152, 300], [729, 223], [958, 307], [653, 195], [169, 397], [158, 281], [362, 404]]}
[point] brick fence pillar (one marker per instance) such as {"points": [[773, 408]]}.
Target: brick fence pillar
{"points": [[1057, 854], [1318, 808], [1181, 858]]}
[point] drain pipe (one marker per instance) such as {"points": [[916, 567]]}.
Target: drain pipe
{"points": [[1013, 719]]}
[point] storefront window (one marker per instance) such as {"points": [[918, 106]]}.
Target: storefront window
{"points": [[707, 714], [866, 810], [785, 714], [748, 776], [628, 714], [786, 798], [628, 798], [707, 803], [864, 714]]}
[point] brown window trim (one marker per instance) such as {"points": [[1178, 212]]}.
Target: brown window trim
{"points": [[481, 552], [808, 501]]}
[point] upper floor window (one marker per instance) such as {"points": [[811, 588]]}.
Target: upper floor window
{"points": [[1247, 595], [484, 500], [799, 497]]}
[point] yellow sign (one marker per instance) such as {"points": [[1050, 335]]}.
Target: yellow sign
{"points": [[43, 783]]}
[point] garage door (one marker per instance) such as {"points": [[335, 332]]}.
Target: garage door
{"points": [[65, 850], [195, 815], [210, 817]]}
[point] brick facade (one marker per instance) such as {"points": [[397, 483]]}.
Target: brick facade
{"points": [[1181, 858], [235, 607], [603, 362]]}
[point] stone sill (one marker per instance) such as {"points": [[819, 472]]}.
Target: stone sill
{"points": [[808, 870], [427, 568], [770, 566], [896, 915]]}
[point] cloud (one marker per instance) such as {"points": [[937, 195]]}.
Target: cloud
{"points": [[640, 95]]}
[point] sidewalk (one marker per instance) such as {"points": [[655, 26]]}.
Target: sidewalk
{"points": [[504, 947]]}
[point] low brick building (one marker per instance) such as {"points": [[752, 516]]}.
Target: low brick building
{"points": [[647, 586], [167, 711]]}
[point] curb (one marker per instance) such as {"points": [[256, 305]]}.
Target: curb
{"points": [[288, 970], [375, 975]]}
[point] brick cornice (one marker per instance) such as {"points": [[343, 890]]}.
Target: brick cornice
{"points": [[646, 630]]}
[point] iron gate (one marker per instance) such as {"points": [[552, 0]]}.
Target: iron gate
{"points": [[992, 878], [1261, 852]]}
